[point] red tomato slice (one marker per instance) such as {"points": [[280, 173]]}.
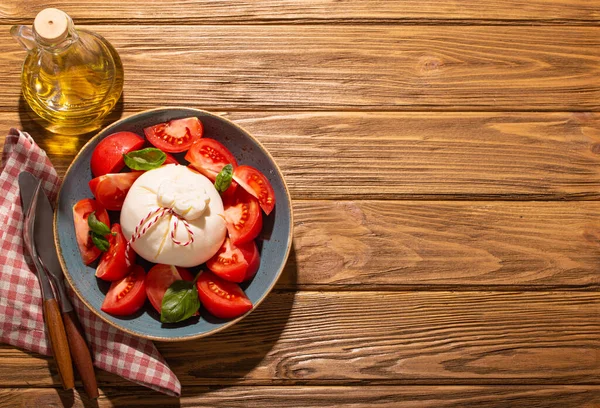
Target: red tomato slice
{"points": [[254, 182], [229, 262], [107, 157], [170, 159], [252, 256], [81, 212], [223, 299], [229, 195], [110, 189], [243, 218], [209, 157], [158, 280], [113, 263], [127, 295], [175, 136]]}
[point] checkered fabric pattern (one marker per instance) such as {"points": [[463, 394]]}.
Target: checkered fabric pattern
{"points": [[21, 318]]}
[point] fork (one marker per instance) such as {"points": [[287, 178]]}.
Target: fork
{"points": [[52, 316]]}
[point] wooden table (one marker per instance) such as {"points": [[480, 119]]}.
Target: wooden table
{"points": [[443, 158]]}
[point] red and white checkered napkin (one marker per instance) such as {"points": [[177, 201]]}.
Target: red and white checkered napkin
{"points": [[21, 319]]}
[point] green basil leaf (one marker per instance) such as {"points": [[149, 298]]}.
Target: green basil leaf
{"points": [[145, 159], [223, 180], [101, 243], [97, 226], [180, 302]]}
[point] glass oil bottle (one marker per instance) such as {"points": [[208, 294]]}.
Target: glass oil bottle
{"points": [[71, 79]]}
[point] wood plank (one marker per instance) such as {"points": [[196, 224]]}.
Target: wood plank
{"points": [[382, 338], [318, 67], [443, 245], [433, 154], [315, 397], [314, 11], [401, 245], [415, 155]]}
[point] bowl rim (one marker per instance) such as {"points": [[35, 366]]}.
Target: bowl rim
{"points": [[179, 338]]}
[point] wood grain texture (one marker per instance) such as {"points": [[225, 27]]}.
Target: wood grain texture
{"points": [[382, 338], [453, 245], [322, 67], [433, 155], [317, 397], [414, 155], [362, 244], [359, 102], [314, 11]]}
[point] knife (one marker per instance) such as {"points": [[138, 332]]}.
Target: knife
{"points": [[44, 242]]}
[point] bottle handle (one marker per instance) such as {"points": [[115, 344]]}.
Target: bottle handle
{"points": [[24, 35]]}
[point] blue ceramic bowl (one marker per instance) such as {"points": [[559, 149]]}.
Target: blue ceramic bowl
{"points": [[274, 242]]}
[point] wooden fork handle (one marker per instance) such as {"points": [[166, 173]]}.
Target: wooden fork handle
{"points": [[81, 354], [59, 343]]}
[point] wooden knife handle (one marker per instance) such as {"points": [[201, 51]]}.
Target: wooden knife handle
{"points": [[81, 354], [59, 343]]}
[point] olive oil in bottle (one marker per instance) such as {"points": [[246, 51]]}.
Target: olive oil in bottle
{"points": [[71, 78]]}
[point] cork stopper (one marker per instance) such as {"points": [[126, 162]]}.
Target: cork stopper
{"points": [[51, 25]]}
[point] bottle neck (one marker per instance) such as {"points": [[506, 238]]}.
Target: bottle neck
{"points": [[60, 45]]}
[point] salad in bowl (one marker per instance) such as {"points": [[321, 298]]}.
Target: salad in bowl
{"points": [[179, 224]]}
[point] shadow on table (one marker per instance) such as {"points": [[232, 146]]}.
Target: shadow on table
{"points": [[207, 365], [67, 398], [231, 356]]}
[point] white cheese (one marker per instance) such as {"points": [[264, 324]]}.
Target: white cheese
{"points": [[193, 198]]}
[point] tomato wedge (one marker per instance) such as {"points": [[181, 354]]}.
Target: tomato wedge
{"points": [[158, 280], [229, 262], [170, 159], [107, 157], [113, 263], [175, 136], [223, 299], [110, 189], [127, 295], [209, 157], [81, 211], [243, 217], [254, 182], [229, 195], [252, 256]]}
